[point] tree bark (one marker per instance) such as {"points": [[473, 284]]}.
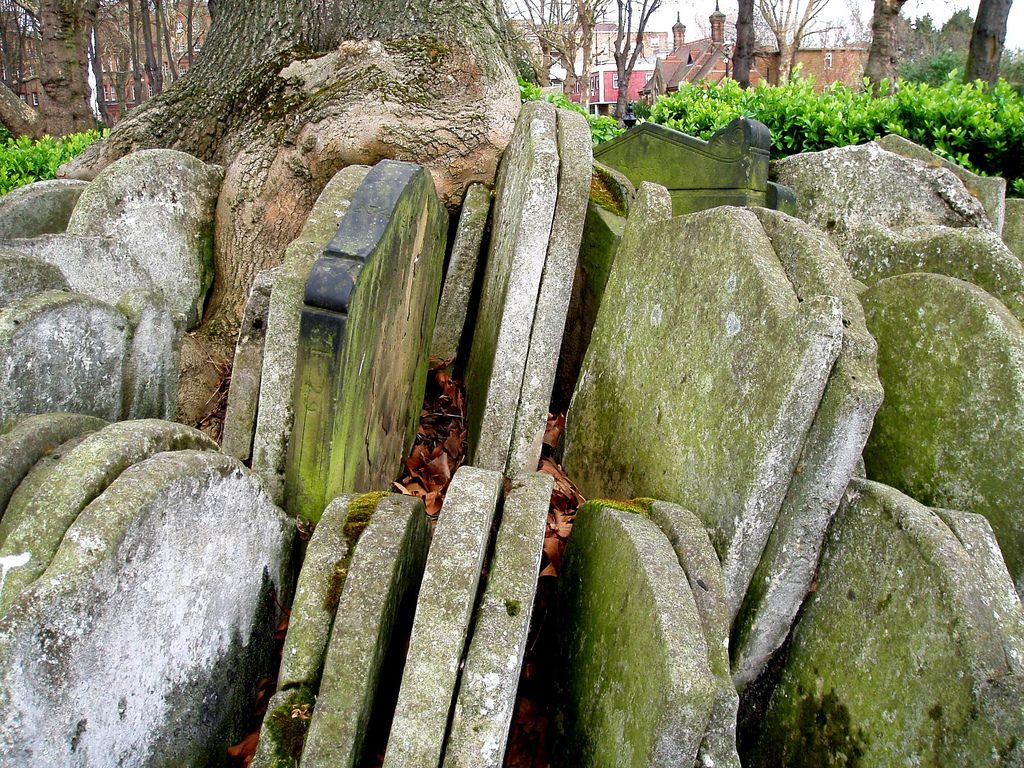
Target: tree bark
{"points": [[164, 31], [133, 37], [987, 39], [743, 56], [882, 56], [629, 44], [153, 72]]}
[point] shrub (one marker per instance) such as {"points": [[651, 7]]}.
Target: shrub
{"points": [[23, 160], [602, 127]]}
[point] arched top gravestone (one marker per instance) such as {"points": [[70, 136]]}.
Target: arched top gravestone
{"points": [[366, 325]]}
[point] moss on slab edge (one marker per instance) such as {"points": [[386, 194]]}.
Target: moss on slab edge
{"points": [[286, 726], [640, 506], [360, 512]]}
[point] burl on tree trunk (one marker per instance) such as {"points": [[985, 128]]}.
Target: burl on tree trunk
{"points": [[287, 94]]}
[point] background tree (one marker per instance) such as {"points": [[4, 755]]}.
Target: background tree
{"points": [[743, 53], [928, 53], [791, 22], [987, 39], [883, 57], [631, 18]]}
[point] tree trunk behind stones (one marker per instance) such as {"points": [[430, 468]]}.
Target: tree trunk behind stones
{"points": [[133, 38], [743, 60], [153, 72], [987, 41], [284, 97], [882, 56]]}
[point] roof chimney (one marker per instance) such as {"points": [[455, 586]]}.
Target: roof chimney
{"points": [[717, 25], [678, 33]]}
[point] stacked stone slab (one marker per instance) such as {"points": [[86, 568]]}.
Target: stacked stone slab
{"points": [[908, 652], [729, 169], [40, 208], [22, 276], [540, 200], [364, 337], [951, 359], [142, 641], [703, 376], [1013, 226]]}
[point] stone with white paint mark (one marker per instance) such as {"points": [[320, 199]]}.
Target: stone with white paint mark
{"points": [[143, 641], [22, 275], [152, 360], [41, 208], [490, 678], [447, 598], [710, 408]]}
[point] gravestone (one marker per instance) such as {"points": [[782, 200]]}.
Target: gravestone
{"points": [[447, 597], [159, 203], [490, 678], [829, 457], [1013, 226], [633, 682], [153, 354], [274, 414], [40, 208], [36, 525], [62, 352], [142, 642], [21, 276], [951, 430], [366, 325], [461, 273], [729, 169], [899, 657], [703, 376]]}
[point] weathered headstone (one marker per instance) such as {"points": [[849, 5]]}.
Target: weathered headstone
{"points": [[951, 430], [41, 208], [366, 324], [378, 597], [159, 203], [634, 686], [21, 276], [446, 601], [1013, 226], [703, 376], [829, 457], [729, 169], [62, 352], [36, 525], [490, 678], [142, 642], [990, 190], [524, 209], [152, 360], [275, 415], [461, 273], [899, 657]]}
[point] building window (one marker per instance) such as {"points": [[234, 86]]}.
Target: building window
{"points": [[35, 99], [828, 59], [181, 46], [24, 97], [179, 26], [615, 82]]}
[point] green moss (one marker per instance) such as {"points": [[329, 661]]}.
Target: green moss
{"points": [[606, 191], [336, 584], [826, 736], [419, 46], [286, 727], [641, 506], [360, 511], [513, 607]]}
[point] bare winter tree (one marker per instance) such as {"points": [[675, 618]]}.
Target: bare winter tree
{"points": [[743, 53], [631, 18], [987, 41], [882, 56], [791, 22]]}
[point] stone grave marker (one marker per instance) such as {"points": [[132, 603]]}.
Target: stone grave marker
{"points": [[1013, 226], [365, 331], [461, 273], [829, 457], [142, 642], [36, 525], [490, 678], [154, 352], [636, 696], [729, 169], [703, 376], [40, 208], [447, 597], [274, 416], [951, 429], [22, 276], [899, 657]]}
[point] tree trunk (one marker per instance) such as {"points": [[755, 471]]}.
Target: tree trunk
{"points": [[585, 9], [96, 62], [65, 36], [987, 41], [133, 38], [189, 17], [787, 53], [285, 95], [153, 73], [882, 56], [743, 57], [164, 31]]}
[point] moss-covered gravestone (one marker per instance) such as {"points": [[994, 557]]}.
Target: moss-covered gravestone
{"points": [[901, 656], [21, 276], [634, 687], [951, 430], [1013, 227], [366, 325], [729, 169], [703, 376]]}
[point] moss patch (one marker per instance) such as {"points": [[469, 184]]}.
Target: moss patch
{"points": [[640, 506], [606, 191], [286, 726], [360, 511]]}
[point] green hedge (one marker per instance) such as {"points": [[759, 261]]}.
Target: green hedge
{"points": [[23, 160], [602, 127], [978, 126]]}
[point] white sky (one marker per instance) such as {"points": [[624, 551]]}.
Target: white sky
{"points": [[691, 11]]}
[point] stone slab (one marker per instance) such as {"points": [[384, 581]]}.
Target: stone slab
{"points": [[490, 678], [898, 658], [143, 641], [41, 208], [951, 429], [524, 209], [21, 276], [62, 352], [829, 457], [275, 415], [364, 338], [446, 601], [1013, 226], [699, 561], [634, 686], [461, 273], [30, 439], [38, 526], [160, 204], [990, 190], [715, 424], [378, 597], [153, 360]]}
